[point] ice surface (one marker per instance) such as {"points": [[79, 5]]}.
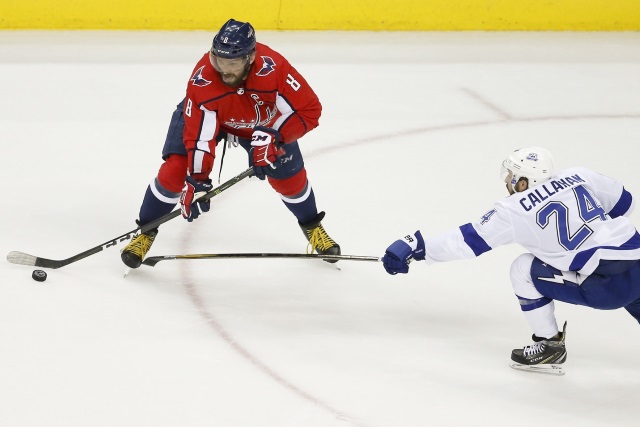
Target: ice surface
{"points": [[413, 130]]}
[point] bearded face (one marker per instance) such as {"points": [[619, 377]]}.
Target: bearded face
{"points": [[232, 71]]}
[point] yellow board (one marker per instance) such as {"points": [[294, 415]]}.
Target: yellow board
{"points": [[134, 14], [447, 15], [425, 15]]}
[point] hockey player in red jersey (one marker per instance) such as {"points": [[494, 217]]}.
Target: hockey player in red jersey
{"points": [[248, 94]]}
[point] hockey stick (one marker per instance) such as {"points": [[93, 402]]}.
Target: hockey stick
{"points": [[152, 261], [16, 257]]}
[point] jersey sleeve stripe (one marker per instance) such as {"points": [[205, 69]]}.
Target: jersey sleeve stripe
{"points": [[208, 129], [285, 109], [471, 237], [623, 205]]}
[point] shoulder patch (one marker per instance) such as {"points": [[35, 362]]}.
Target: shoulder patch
{"points": [[486, 217], [268, 66], [197, 79]]}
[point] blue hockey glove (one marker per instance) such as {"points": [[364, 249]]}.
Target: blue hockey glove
{"points": [[398, 256], [265, 150], [192, 209]]}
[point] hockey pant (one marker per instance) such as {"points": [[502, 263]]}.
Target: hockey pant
{"points": [[613, 285]]}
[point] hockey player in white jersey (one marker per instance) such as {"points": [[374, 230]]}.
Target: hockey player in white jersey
{"points": [[582, 247]]}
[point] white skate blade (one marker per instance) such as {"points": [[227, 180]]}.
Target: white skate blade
{"points": [[549, 369], [126, 272]]}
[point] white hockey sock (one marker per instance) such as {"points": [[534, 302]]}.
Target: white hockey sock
{"points": [[543, 321], [538, 312]]}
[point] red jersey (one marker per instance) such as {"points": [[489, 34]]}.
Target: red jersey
{"points": [[274, 95]]}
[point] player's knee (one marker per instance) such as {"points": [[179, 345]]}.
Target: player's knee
{"points": [[521, 277], [292, 186], [172, 173]]}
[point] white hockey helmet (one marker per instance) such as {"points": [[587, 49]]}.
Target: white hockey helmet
{"points": [[533, 163]]}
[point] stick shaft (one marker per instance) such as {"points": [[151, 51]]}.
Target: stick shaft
{"points": [[151, 261]]}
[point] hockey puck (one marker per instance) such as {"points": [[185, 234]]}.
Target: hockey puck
{"points": [[39, 275]]}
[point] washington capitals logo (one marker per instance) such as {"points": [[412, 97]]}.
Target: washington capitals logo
{"points": [[197, 78], [268, 66]]}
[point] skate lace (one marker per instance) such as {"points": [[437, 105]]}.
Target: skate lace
{"points": [[319, 240], [140, 245], [533, 349]]}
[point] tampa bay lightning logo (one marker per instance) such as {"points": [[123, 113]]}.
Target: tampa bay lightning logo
{"points": [[197, 78], [268, 66], [486, 217]]}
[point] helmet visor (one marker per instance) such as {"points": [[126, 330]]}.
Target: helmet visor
{"points": [[506, 175], [228, 65]]}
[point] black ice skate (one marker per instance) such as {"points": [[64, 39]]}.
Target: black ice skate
{"points": [[133, 254], [544, 356], [319, 240]]}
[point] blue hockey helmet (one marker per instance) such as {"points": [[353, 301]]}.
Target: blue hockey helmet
{"points": [[234, 40]]}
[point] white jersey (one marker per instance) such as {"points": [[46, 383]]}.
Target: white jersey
{"points": [[571, 222]]}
